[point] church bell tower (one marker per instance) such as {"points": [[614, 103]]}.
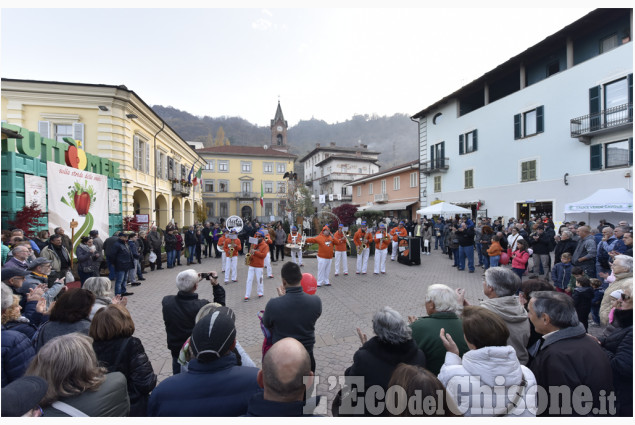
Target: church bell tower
{"points": [[279, 131]]}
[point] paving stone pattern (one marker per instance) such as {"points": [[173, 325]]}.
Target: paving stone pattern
{"points": [[349, 303]]}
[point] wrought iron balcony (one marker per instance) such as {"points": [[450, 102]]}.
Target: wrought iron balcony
{"points": [[437, 165], [381, 197], [585, 126], [179, 189]]}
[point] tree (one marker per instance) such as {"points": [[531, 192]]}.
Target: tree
{"points": [[200, 215], [346, 213], [300, 203], [27, 219], [221, 139]]}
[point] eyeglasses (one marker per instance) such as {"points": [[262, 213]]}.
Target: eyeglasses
{"points": [[625, 297]]}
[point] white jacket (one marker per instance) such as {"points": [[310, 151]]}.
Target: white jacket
{"points": [[486, 380]]}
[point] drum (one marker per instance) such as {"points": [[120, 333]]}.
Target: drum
{"points": [[293, 246]]}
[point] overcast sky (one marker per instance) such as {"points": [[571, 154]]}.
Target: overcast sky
{"points": [[326, 63]]}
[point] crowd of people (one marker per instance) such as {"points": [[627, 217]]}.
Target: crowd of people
{"points": [[72, 351]]}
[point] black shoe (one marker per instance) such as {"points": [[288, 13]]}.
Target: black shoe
{"points": [[159, 268], [127, 294], [135, 284], [144, 272], [199, 261], [142, 278]]}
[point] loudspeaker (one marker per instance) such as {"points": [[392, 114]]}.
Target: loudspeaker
{"points": [[409, 250]]}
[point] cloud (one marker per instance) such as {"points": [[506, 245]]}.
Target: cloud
{"points": [[261, 24], [303, 47], [267, 12]]}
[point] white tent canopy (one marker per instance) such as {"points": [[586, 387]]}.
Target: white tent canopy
{"points": [[443, 208], [612, 205]]}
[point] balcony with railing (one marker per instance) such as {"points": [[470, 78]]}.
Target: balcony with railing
{"points": [[584, 127], [381, 197], [437, 165], [247, 195], [179, 189], [337, 177]]}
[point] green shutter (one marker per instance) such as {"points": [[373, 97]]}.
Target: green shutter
{"points": [[540, 119], [630, 97], [596, 157], [442, 153], [432, 157], [594, 107], [474, 142], [517, 129], [630, 151], [461, 144]]}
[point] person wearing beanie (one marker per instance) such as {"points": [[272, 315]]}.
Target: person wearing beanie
{"points": [[214, 384], [258, 252], [324, 255], [295, 238]]}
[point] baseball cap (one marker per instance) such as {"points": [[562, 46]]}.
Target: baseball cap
{"points": [[294, 228], [22, 395], [402, 222], [9, 272], [38, 262], [261, 233], [341, 225], [382, 225], [214, 334], [363, 223], [326, 228]]}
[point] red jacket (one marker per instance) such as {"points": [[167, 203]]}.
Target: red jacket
{"points": [[326, 245], [381, 243], [396, 232], [339, 239], [237, 246], [260, 253], [359, 237], [519, 259]]}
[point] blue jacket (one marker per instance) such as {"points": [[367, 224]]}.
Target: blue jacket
{"points": [[258, 406], [122, 256], [561, 274], [217, 388], [17, 352]]}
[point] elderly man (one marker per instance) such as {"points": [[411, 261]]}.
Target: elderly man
{"points": [[620, 246], [66, 241], [607, 244], [500, 286], [441, 308], [568, 359], [40, 269], [20, 233], [585, 251], [155, 240], [294, 314], [58, 254], [214, 384], [564, 243], [179, 311], [282, 378], [623, 271], [20, 259]]}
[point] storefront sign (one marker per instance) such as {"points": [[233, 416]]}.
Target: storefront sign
{"points": [[63, 153]]}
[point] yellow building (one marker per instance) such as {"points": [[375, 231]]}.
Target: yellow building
{"points": [[233, 177], [113, 122]]}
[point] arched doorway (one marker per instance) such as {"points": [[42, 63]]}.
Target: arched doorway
{"points": [[162, 212], [187, 211], [140, 202], [245, 213], [176, 212]]}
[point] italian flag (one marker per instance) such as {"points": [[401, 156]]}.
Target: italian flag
{"points": [[262, 195], [197, 176]]}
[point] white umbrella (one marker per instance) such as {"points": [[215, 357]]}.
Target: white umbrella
{"points": [[443, 208]]}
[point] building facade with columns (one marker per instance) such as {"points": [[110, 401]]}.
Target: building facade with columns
{"points": [[113, 122]]}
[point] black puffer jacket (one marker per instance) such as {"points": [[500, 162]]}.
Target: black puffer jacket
{"points": [[170, 242], [618, 346], [127, 355], [563, 246]]}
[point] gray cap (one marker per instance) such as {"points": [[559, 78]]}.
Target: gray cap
{"points": [[38, 262]]}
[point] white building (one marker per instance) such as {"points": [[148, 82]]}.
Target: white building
{"points": [[548, 127], [328, 168]]}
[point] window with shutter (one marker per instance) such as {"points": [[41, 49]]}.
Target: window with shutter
{"points": [[540, 119], [596, 157], [630, 151], [437, 184], [78, 133], [594, 107], [157, 163], [528, 171], [461, 144], [432, 163], [469, 179], [43, 127], [136, 153], [517, 127], [147, 156]]}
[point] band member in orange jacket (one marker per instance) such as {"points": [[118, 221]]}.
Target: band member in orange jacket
{"points": [[339, 240], [396, 232], [232, 246], [258, 254], [382, 239], [221, 246], [295, 238], [324, 255], [362, 237]]}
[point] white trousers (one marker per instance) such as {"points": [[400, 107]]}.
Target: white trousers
{"points": [[296, 256], [394, 253], [340, 257], [223, 259], [362, 261], [324, 269], [268, 265], [380, 260], [254, 272], [231, 265]]}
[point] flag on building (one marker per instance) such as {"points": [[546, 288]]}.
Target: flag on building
{"points": [[197, 176], [189, 176], [262, 195]]}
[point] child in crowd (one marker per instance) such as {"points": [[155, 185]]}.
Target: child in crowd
{"points": [[561, 272], [576, 272], [598, 294], [494, 251], [582, 296]]}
